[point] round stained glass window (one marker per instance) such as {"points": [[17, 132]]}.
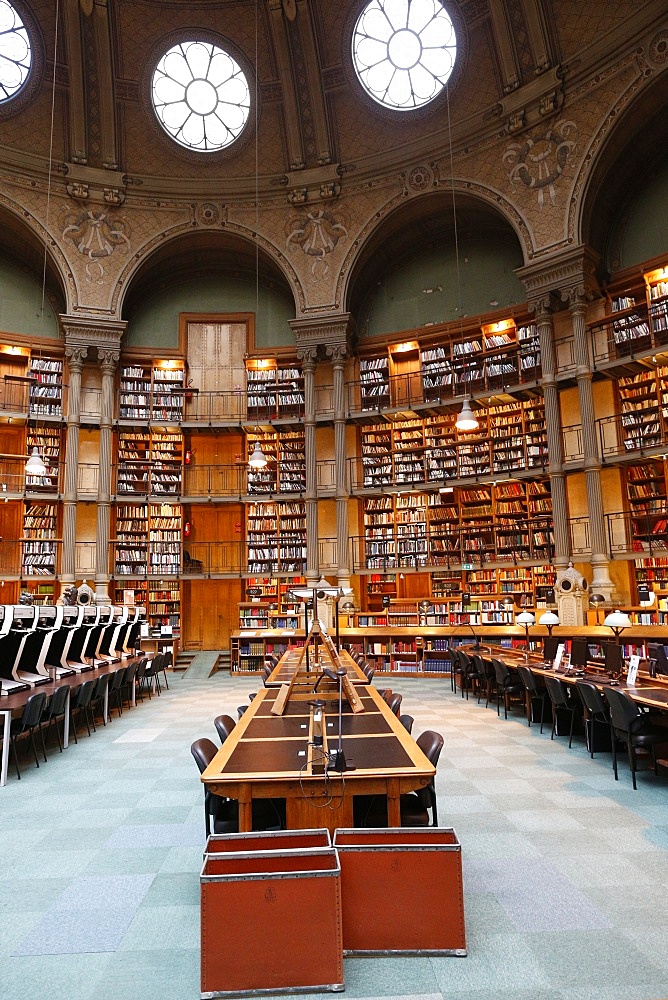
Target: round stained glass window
{"points": [[15, 52], [404, 51], [201, 96]]}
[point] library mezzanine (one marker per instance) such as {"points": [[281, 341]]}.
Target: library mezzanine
{"points": [[242, 371]]}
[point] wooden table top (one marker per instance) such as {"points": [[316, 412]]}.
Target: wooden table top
{"points": [[18, 700], [284, 670], [264, 747]]}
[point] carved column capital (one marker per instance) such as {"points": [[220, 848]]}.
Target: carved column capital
{"points": [[337, 353], [108, 361], [75, 357], [308, 357]]}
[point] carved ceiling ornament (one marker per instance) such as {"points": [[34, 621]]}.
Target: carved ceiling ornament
{"points": [[316, 233], [540, 160], [96, 235]]}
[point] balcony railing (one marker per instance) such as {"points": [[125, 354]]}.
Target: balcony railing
{"points": [[619, 435]]}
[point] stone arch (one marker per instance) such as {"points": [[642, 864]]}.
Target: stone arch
{"points": [[25, 240], [426, 216]]}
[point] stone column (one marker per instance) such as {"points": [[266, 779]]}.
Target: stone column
{"points": [[337, 352], [601, 582], [562, 544], [308, 356], [108, 361], [75, 359]]}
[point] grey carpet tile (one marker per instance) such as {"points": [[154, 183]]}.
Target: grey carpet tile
{"points": [[563, 866]]}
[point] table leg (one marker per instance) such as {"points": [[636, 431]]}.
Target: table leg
{"points": [[5, 746], [66, 721], [393, 804], [245, 811], [105, 704]]}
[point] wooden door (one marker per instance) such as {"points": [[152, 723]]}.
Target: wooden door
{"points": [[210, 613]]}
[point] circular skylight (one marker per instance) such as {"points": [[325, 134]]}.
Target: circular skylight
{"points": [[201, 96], [404, 51], [15, 52]]}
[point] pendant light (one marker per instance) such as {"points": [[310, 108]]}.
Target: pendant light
{"points": [[466, 419], [258, 459], [35, 465]]}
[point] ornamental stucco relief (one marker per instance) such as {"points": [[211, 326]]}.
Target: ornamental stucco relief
{"points": [[539, 161], [96, 235], [316, 233]]}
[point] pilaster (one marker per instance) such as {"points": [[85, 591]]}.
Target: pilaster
{"points": [[75, 359]]}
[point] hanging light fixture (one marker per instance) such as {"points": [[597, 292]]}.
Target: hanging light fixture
{"points": [[35, 465], [466, 420], [258, 460]]}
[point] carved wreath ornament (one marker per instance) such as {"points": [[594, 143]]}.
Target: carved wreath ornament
{"points": [[316, 233], [540, 161], [96, 236]]}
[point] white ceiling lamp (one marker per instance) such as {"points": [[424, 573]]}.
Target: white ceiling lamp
{"points": [[466, 420], [35, 465], [258, 460]]}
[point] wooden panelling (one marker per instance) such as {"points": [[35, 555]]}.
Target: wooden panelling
{"points": [[209, 613]]}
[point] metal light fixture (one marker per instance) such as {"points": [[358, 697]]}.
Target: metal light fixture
{"points": [[466, 420], [35, 465], [258, 460], [549, 620], [425, 607], [617, 621]]}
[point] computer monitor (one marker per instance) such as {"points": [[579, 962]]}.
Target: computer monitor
{"points": [[658, 653], [550, 645], [579, 652], [613, 659]]}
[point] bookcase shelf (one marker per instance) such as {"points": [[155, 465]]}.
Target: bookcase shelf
{"points": [[274, 389], [46, 386], [285, 471], [506, 522], [48, 440], [510, 437], [152, 391], [38, 548], [149, 462], [276, 538]]}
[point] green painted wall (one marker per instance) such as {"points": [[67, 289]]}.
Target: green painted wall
{"points": [[643, 234], [21, 305], [403, 300], [156, 322]]}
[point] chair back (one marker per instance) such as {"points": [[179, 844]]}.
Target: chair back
{"points": [[224, 725], [623, 710], [528, 679], [394, 702], [557, 692], [592, 699], [203, 751], [501, 672], [101, 685], [431, 744], [407, 722], [85, 694], [57, 703], [117, 679], [33, 711], [130, 674]]}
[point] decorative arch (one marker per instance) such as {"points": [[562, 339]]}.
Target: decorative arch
{"points": [[25, 238], [476, 205], [630, 141], [235, 244]]}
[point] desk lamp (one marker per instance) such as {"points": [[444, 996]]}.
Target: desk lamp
{"points": [[549, 620], [348, 608], [526, 620], [617, 621], [597, 600], [508, 603], [425, 607]]}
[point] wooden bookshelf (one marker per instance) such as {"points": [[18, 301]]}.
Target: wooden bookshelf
{"points": [[275, 388], [285, 471], [48, 440], [276, 538], [38, 549], [46, 386]]}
